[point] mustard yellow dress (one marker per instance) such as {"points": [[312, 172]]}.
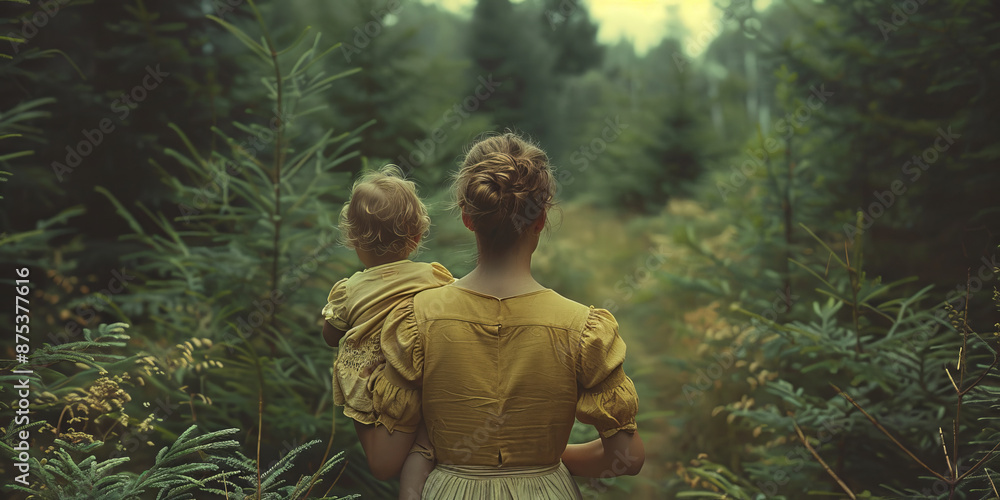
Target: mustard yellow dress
{"points": [[498, 383], [358, 306]]}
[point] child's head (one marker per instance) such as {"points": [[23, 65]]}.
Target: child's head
{"points": [[384, 216], [504, 185]]}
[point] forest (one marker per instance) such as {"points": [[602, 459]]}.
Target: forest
{"points": [[792, 209]]}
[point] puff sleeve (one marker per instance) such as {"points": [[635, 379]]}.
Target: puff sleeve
{"points": [[441, 275], [335, 310], [396, 384], [606, 397]]}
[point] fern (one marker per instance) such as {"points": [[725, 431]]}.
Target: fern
{"points": [[177, 470], [242, 482], [191, 467]]}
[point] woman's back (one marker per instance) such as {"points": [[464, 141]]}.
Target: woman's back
{"points": [[502, 379], [499, 380]]}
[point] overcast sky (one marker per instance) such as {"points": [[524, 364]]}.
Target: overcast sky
{"points": [[643, 22]]}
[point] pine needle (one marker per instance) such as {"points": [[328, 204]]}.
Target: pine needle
{"points": [[945, 448]]}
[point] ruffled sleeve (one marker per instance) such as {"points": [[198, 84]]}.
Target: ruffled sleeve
{"points": [[606, 397], [396, 384], [441, 275], [335, 310]]}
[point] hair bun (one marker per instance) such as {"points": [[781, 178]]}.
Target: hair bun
{"points": [[504, 184]]}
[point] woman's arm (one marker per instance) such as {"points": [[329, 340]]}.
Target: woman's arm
{"points": [[395, 387], [620, 454], [385, 452]]}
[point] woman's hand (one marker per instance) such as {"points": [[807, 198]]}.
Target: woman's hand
{"points": [[620, 454]]}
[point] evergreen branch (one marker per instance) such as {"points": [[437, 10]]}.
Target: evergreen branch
{"points": [[988, 456], [779, 327], [887, 433], [821, 242], [242, 36], [297, 41], [19, 154], [826, 467], [278, 162], [120, 209], [816, 275], [996, 360], [329, 444], [47, 52]]}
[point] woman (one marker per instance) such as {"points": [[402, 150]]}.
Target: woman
{"points": [[497, 365]]}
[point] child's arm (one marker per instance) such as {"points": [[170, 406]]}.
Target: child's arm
{"points": [[336, 312], [620, 454], [419, 463], [332, 334]]}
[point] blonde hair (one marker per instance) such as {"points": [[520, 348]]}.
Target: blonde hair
{"points": [[384, 214], [504, 185]]}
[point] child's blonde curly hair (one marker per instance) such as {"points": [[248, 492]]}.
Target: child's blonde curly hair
{"points": [[384, 215]]}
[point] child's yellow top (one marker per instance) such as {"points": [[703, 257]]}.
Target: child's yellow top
{"points": [[498, 382], [359, 305]]}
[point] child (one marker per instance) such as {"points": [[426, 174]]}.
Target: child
{"points": [[383, 222]]}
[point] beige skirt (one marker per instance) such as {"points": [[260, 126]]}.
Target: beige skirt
{"points": [[448, 482]]}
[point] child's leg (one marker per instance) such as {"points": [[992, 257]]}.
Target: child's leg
{"points": [[417, 466]]}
